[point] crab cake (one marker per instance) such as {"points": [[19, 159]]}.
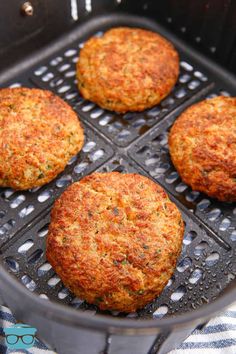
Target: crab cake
{"points": [[114, 240], [39, 133], [127, 69], [202, 146]]}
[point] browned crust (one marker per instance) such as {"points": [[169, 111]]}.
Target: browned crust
{"points": [[39, 133], [202, 145], [127, 69], [114, 240]]}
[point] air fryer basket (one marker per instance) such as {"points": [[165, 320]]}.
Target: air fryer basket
{"points": [[134, 142]]}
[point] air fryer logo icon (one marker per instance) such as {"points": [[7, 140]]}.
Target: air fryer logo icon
{"points": [[20, 336]]}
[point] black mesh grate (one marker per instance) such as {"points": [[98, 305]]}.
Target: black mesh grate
{"points": [[134, 142], [152, 154], [196, 279]]}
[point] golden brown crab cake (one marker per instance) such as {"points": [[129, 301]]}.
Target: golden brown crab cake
{"points": [[127, 69], [39, 134], [114, 240], [202, 145]]}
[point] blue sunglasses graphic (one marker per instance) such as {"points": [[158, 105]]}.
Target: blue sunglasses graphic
{"points": [[20, 336]]}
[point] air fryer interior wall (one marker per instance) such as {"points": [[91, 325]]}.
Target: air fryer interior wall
{"points": [[208, 25]]}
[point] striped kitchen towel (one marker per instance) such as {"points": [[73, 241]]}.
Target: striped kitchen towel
{"points": [[217, 337]]}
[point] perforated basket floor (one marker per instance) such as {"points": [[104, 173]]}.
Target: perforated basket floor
{"points": [[134, 142]]}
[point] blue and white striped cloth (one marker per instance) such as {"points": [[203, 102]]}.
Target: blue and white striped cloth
{"points": [[217, 337]]}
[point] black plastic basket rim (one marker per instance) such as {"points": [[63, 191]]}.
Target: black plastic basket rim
{"points": [[72, 317], [69, 316]]}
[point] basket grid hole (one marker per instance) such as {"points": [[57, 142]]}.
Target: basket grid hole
{"points": [[64, 67], [132, 315], [89, 146], [12, 264], [56, 82], [55, 61], [200, 75], [45, 195], [96, 155], [2, 214], [72, 160], [76, 302], [224, 93], [173, 176], [195, 276], [41, 70], [53, 281], [161, 311], [221, 92], [203, 204], [170, 281], [191, 196], [7, 193], [62, 294], [17, 201], [80, 167], [70, 96], [161, 139], [189, 237], [193, 84], [184, 78], [70, 52], [26, 211], [225, 224], [214, 214], [47, 77], [7, 226], [63, 88], [159, 171], [96, 113], [181, 187], [88, 106], [26, 246], [15, 84], [143, 151], [169, 101], [33, 190], [138, 123], [178, 293], [154, 112], [63, 181], [123, 134], [186, 66], [105, 120], [180, 93], [212, 259], [35, 256], [43, 269], [28, 282], [120, 169], [184, 264], [152, 160], [200, 248], [43, 231], [233, 236]]}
